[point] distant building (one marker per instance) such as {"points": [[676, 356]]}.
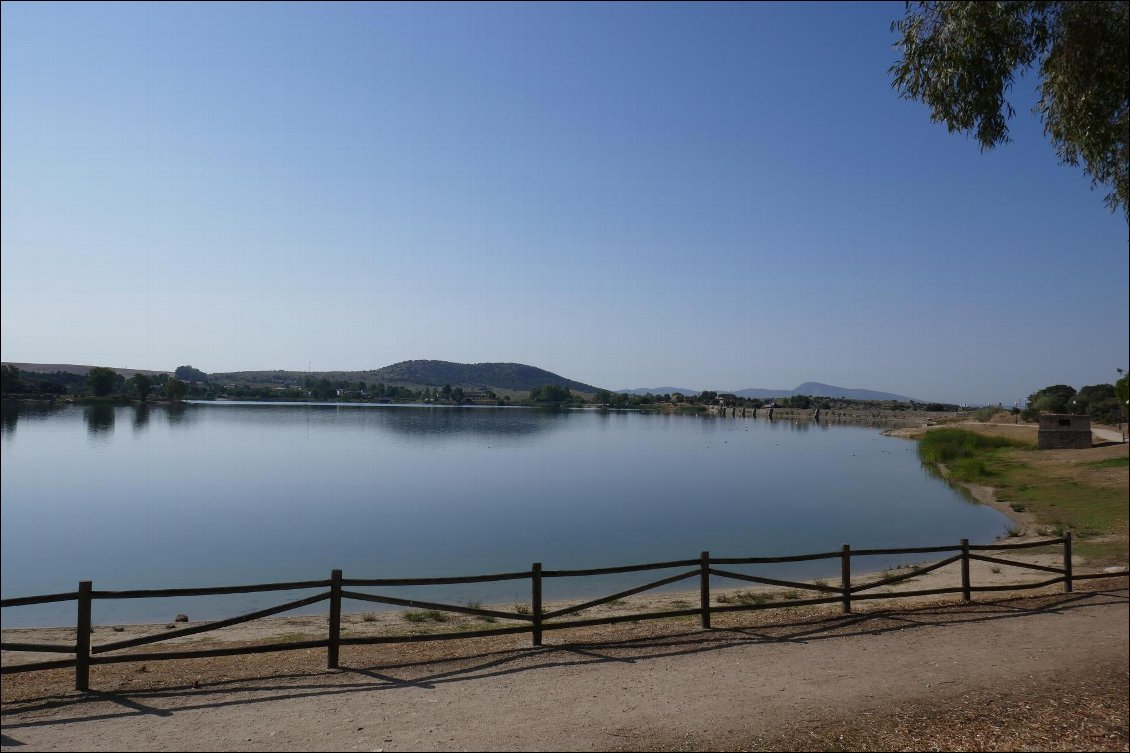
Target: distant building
{"points": [[1063, 431]]}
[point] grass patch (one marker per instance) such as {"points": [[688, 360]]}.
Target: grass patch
{"points": [[1063, 496], [1111, 463], [476, 604], [744, 597], [966, 454], [425, 615], [984, 414], [521, 609]]}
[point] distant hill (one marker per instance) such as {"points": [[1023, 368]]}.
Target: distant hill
{"points": [[659, 391], [812, 389], [74, 368], [507, 376], [816, 389], [514, 377]]}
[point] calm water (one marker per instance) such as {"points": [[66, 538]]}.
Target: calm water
{"points": [[228, 493]]}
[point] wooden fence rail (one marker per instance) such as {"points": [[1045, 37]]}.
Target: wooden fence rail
{"points": [[536, 619]]}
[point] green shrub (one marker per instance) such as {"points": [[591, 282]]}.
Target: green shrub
{"points": [[425, 615]]}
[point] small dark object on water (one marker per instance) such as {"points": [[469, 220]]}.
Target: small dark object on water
{"points": [[181, 618]]}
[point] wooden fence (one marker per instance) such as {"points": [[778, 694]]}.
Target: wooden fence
{"points": [[534, 620]]}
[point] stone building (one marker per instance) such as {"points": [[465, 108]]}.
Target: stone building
{"points": [[1063, 431]]}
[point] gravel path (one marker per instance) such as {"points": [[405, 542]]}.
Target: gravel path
{"points": [[654, 686]]}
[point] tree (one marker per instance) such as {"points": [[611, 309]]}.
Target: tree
{"points": [[175, 390], [101, 380], [142, 385], [10, 379], [190, 374], [1120, 392], [1097, 401], [960, 59], [1053, 399], [550, 393]]}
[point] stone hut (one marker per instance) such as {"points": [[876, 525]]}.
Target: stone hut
{"points": [[1063, 431]]}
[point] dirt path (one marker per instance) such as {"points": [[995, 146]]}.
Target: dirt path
{"points": [[663, 686]]}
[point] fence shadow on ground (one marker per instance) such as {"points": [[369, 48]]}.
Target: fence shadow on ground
{"points": [[666, 640]]}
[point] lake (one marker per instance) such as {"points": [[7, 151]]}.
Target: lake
{"points": [[231, 493]]}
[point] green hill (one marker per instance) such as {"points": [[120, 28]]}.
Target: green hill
{"points": [[506, 376]]}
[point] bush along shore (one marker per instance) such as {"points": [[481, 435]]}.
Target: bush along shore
{"points": [[1046, 492]]}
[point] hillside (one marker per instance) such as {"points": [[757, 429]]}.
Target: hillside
{"points": [[512, 377], [659, 391], [817, 389], [507, 376], [77, 369], [812, 389]]}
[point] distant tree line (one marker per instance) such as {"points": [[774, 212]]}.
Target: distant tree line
{"points": [[100, 382]]}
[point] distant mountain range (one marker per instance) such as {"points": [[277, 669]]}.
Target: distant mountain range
{"points": [[812, 389], [514, 377], [660, 391]]}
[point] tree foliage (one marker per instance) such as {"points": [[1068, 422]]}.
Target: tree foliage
{"points": [[190, 374], [1097, 401], [10, 379], [1053, 399], [102, 380], [550, 393], [175, 390], [961, 58], [142, 385], [1120, 393]]}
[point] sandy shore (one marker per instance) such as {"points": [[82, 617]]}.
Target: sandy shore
{"points": [[400, 622]]}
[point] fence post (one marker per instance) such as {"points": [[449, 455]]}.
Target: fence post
{"points": [[535, 586], [704, 590], [1067, 562], [966, 594], [82, 643], [845, 576], [335, 619]]}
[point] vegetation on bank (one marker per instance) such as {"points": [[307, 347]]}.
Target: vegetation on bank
{"points": [[966, 455], [1083, 495]]}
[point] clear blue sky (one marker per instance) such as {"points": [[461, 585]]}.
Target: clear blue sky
{"points": [[630, 195]]}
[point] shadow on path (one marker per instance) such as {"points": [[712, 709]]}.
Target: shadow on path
{"points": [[428, 674]]}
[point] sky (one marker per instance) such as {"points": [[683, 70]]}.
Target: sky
{"points": [[706, 196]]}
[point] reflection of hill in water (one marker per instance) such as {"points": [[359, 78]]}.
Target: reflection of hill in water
{"points": [[474, 421], [430, 421]]}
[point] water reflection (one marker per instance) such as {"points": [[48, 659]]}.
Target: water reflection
{"points": [[433, 422], [140, 418], [11, 411], [178, 414], [99, 420], [228, 493]]}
